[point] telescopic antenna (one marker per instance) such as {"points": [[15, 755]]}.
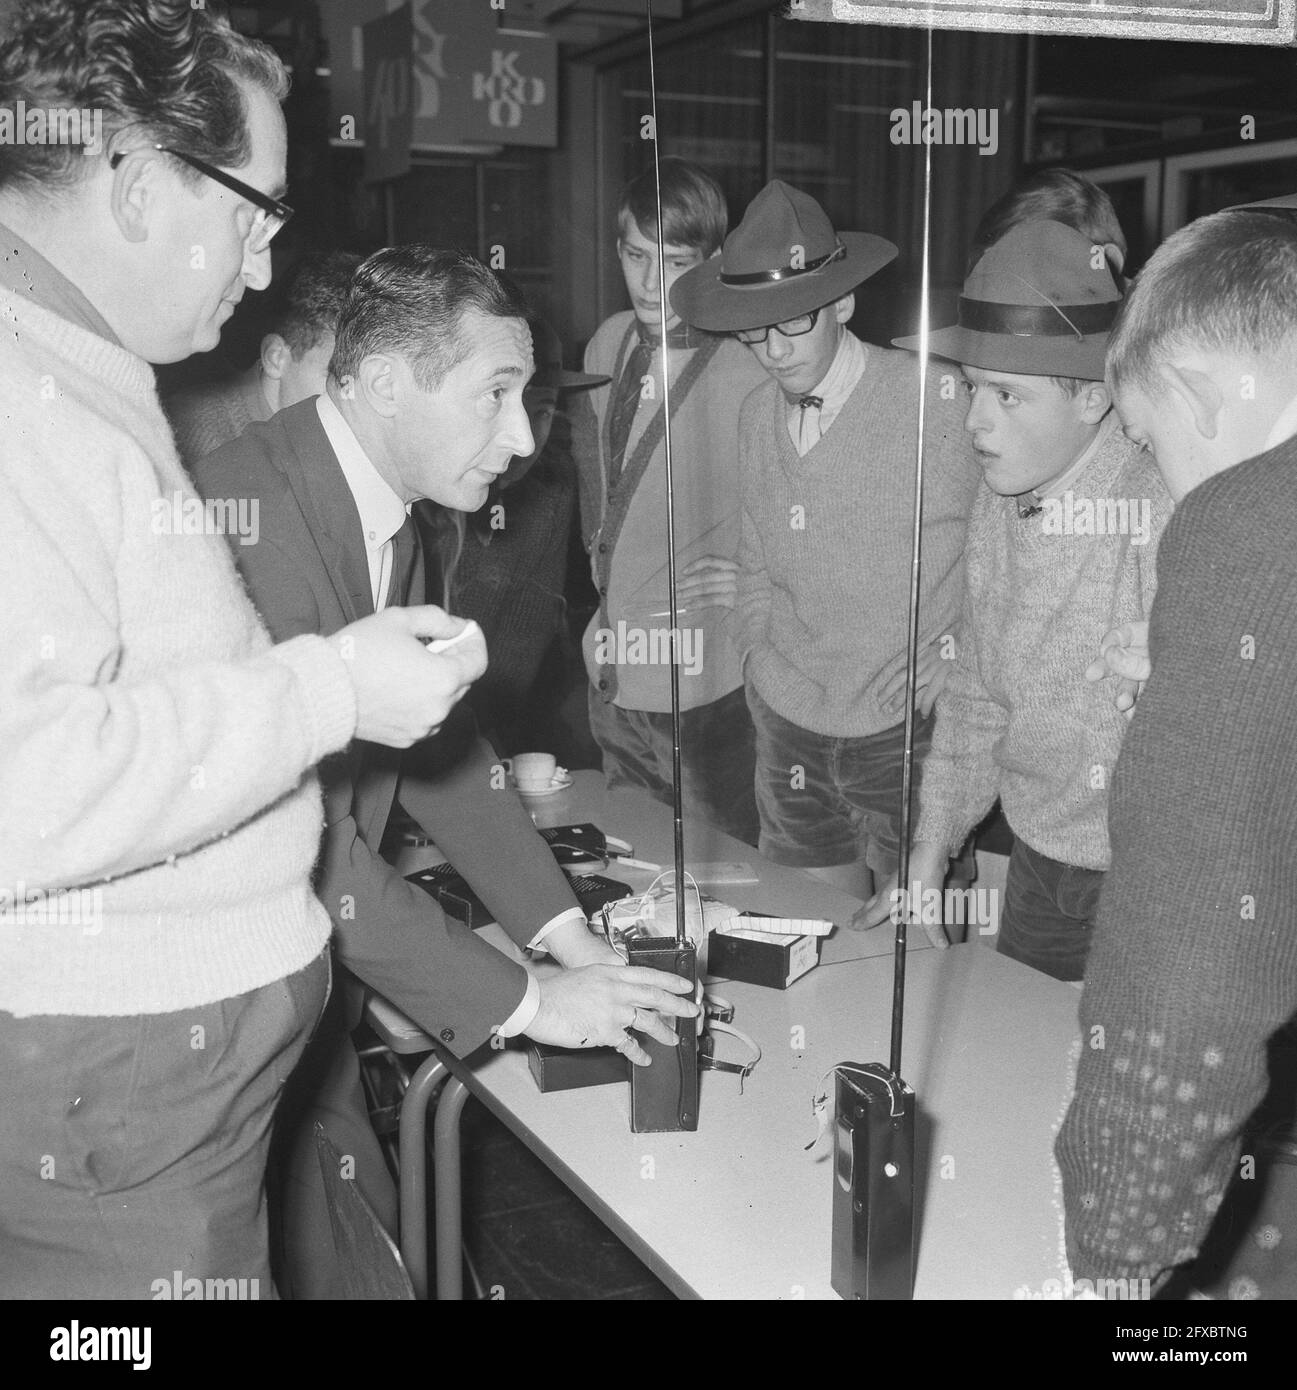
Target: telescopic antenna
{"points": [[874, 1110], [676, 794], [912, 640], [664, 1095]]}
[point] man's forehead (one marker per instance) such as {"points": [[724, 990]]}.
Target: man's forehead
{"points": [[268, 140], [499, 345]]}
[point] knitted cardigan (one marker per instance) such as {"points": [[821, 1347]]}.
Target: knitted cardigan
{"points": [[1017, 719], [624, 526], [154, 748], [1194, 960]]}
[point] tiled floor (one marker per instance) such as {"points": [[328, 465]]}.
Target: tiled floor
{"points": [[527, 1236]]}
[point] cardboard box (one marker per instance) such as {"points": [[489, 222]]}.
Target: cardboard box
{"points": [[567, 1068], [758, 958]]}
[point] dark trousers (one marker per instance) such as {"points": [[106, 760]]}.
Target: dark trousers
{"points": [[326, 1087], [133, 1150], [826, 800], [1047, 918], [717, 758]]}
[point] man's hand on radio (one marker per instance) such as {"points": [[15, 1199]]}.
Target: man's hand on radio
{"points": [[403, 691], [593, 1006], [928, 865], [1123, 653]]}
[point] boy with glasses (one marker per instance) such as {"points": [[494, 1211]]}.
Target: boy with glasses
{"points": [[828, 449]]}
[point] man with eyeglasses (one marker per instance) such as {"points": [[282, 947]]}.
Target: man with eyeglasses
{"points": [[828, 449], [162, 954]]}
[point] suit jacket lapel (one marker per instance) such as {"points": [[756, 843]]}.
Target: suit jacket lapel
{"points": [[320, 486]]}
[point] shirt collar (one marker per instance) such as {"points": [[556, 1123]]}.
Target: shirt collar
{"points": [[842, 377], [26, 273], [382, 513]]}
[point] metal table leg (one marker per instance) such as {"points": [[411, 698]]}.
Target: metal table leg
{"points": [[446, 1180], [414, 1170]]}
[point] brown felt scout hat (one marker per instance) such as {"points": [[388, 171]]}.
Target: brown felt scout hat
{"points": [[784, 259], [1034, 305]]}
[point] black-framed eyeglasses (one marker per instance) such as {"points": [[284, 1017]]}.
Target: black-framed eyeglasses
{"points": [[790, 328], [272, 214]]}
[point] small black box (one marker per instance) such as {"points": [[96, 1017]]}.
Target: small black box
{"points": [[773, 961], [458, 900], [567, 1068]]}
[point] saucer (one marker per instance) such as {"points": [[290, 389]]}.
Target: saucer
{"points": [[560, 783]]}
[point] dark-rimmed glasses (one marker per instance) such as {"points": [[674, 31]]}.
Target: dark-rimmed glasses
{"points": [[271, 217], [790, 328]]}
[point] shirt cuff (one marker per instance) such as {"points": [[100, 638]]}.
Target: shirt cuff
{"points": [[572, 914], [524, 1015]]}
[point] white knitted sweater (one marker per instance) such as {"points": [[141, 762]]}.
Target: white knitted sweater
{"points": [[155, 750]]}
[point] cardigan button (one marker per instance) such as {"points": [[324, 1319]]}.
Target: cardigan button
{"points": [[447, 1035], [603, 682], [603, 548]]}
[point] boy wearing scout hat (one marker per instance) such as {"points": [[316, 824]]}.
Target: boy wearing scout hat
{"points": [[1061, 548], [827, 448]]}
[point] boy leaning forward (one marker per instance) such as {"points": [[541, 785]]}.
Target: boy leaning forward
{"points": [[1061, 549]]}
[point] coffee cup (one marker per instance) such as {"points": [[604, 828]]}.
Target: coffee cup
{"points": [[532, 772]]}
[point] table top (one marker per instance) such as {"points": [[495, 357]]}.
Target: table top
{"points": [[738, 1209], [633, 815]]}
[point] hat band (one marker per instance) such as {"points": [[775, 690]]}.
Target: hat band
{"points": [[1037, 320], [770, 277]]}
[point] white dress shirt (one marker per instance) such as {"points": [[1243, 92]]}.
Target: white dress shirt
{"points": [[842, 378], [382, 514]]}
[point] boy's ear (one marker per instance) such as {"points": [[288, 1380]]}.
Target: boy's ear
{"points": [[1095, 401], [1200, 394], [844, 308]]}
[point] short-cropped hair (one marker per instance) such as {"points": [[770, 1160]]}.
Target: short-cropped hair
{"points": [[1050, 195], [162, 66], [312, 298], [411, 300], [693, 207], [1225, 283]]}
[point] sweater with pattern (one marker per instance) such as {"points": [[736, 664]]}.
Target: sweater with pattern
{"points": [[155, 749], [824, 554], [1193, 966], [1017, 719]]}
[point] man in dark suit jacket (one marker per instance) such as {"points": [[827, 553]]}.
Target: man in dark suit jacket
{"points": [[424, 400]]}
